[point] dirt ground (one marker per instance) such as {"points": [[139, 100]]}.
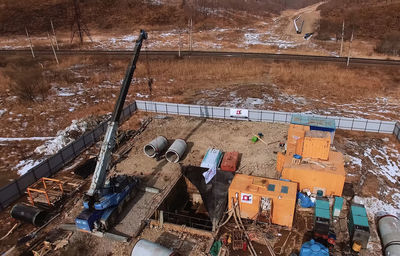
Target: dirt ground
{"points": [[257, 159]]}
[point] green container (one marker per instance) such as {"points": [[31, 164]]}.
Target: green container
{"points": [[323, 204], [337, 206], [254, 139]]}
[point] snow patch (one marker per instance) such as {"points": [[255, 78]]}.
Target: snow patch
{"points": [[64, 92], [22, 139], [25, 165], [2, 111], [378, 208], [386, 160], [63, 138], [142, 95]]}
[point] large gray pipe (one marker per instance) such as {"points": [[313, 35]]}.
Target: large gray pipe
{"points": [[176, 151], [155, 146], [29, 213], [389, 230], [147, 248]]}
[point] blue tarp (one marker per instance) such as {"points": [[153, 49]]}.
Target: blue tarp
{"points": [[305, 201]]}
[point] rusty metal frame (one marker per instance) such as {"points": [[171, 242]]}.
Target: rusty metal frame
{"points": [[44, 191]]}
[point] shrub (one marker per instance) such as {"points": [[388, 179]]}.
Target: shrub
{"points": [[390, 44], [27, 82]]}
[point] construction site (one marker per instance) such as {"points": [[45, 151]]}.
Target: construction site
{"points": [[211, 128]]}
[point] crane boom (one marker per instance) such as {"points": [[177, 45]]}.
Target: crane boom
{"points": [[104, 159]]}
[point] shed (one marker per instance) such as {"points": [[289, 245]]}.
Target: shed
{"points": [[258, 194], [326, 176]]}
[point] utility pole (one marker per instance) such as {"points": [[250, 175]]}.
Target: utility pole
{"points": [[52, 47], [351, 40], [190, 34], [341, 44], [54, 34], [179, 44], [80, 25], [30, 42]]}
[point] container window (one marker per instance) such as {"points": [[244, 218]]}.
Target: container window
{"points": [[271, 187], [284, 189]]}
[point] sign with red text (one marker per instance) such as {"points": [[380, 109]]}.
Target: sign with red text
{"points": [[242, 113]]}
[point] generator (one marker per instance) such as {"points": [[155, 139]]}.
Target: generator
{"points": [[358, 227], [322, 218]]}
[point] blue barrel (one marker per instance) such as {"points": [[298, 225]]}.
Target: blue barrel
{"points": [[313, 248]]}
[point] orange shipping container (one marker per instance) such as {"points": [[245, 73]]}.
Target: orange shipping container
{"points": [[296, 134], [327, 176], [316, 145], [258, 195], [280, 160]]}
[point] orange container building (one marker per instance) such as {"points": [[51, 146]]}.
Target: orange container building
{"points": [[260, 197], [295, 139], [316, 145], [327, 176]]}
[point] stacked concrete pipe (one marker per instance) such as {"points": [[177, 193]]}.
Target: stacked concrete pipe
{"points": [[389, 230], [176, 151], [155, 146]]}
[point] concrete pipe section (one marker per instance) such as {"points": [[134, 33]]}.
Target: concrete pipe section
{"points": [[147, 248], [389, 230], [155, 146], [176, 151], [29, 214]]}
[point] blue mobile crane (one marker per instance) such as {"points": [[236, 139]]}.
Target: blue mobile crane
{"points": [[106, 198]]}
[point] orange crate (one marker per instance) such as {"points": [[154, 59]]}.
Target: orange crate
{"points": [[230, 161]]}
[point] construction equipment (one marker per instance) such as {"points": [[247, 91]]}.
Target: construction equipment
{"points": [[106, 198], [322, 218], [358, 227]]}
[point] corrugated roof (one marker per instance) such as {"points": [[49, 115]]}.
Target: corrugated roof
{"points": [[313, 121]]}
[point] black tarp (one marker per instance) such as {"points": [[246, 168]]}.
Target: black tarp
{"points": [[215, 193]]}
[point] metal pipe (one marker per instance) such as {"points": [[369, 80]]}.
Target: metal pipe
{"points": [[28, 213], [147, 248], [176, 151], [156, 146], [389, 230]]}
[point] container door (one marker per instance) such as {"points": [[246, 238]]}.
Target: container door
{"points": [[265, 214]]}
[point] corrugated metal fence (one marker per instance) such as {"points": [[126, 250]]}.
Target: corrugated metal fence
{"points": [[53, 164], [345, 123]]}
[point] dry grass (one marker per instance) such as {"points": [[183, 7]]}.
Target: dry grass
{"points": [[202, 69], [331, 81]]}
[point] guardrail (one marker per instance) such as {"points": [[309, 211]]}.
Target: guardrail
{"points": [[14, 190], [353, 124]]}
